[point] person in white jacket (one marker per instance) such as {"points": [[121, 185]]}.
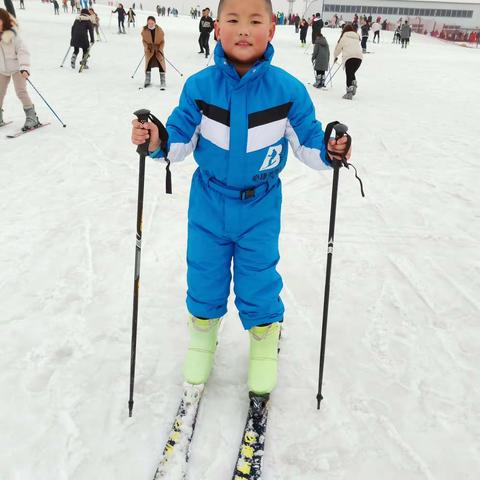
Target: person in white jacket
{"points": [[15, 64], [349, 46], [376, 27]]}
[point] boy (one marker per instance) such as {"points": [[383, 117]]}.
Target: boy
{"points": [[236, 118]]}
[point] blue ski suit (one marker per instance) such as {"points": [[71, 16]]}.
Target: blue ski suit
{"points": [[238, 129]]}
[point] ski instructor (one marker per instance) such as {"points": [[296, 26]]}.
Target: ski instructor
{"points": [[15, 64]]}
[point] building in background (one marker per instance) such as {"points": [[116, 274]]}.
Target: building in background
{"points": [[425, 15]]}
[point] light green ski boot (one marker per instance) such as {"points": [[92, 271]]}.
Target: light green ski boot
{"points": [[262, 367], [203, 343]]}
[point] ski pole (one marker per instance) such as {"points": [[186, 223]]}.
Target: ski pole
{"points": [[171, 64], [46, 103], [102, 33], [340, 131], [138, 66], [329, 72], [142, 150], [209, 58], [333, 74], [65, 57]]}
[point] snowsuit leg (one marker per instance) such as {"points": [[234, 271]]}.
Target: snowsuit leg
{"points": [[222, 228], [209, 253]]}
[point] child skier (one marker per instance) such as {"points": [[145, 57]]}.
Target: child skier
{"points": [[320, 60], [236, 117]]}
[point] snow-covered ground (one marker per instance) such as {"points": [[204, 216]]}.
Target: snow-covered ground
{"points": [[401, 381]]}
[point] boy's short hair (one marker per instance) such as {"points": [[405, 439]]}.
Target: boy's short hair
{"points": [[268, 4]]}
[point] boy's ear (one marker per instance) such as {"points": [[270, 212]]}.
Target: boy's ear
{"points": [[271, 32], [216, 27]]}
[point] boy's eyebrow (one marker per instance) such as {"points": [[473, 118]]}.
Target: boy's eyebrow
{"points": [[233, 14]]}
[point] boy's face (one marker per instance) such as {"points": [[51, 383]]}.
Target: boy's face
{"points": [[244, 29]]}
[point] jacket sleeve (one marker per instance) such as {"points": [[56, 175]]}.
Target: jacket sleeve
{"points": [[90, 31], [23, 54], [315, 51], [304, 132], [338, 48], [183, 127]]}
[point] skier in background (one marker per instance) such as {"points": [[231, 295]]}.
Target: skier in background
{"points": [[56, 7], [95, 19], [15, 64], [376, 27], [120, 11], [365, 27], [405, 33], [303, 32], [349, 47], [82, 27], [317, 25], [321, 60], [235, 197], [131, 17], [153, 40], [396, 35], [205, 26]]}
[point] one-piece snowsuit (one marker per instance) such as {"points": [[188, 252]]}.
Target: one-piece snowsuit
{"points": [[238, 129]]}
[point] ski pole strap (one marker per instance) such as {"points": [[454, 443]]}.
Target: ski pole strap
{"points": [[143, 116], [341, 131], [162, 131]]}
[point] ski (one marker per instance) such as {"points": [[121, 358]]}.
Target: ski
{"points": [[6, 123], [173, 464], [83, 62], [250, 455], [21, 132]]}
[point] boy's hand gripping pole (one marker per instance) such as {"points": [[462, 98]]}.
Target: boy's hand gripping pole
{"points": [[340, 131]]}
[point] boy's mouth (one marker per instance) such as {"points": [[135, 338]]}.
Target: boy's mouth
{"points": [[243, 43]]}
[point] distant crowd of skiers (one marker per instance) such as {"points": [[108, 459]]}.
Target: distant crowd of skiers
{"points": [[162, 11]]}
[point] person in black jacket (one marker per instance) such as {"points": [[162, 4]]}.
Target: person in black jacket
{"points": [[121, 17], [303, 32], [205, 26], [317, 25], [81, 28], [365, 29]]}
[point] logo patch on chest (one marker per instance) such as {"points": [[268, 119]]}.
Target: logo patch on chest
{"points": [[273, 158]]}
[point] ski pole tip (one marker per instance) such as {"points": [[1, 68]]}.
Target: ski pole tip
{"points": [[64, 126], [130, 408], [319, 399]]}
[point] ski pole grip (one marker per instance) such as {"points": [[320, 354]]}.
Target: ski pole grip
{"points": [[341, 131], [142, 116]]}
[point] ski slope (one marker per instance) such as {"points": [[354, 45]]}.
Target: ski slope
{"points": [[401, 378]]}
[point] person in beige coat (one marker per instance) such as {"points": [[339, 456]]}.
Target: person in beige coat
{"points": [[349, 47], [15, 64], [153, 40]]}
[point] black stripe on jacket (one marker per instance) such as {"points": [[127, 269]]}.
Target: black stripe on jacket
{"points": [[269, 115], [213, 112]]}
